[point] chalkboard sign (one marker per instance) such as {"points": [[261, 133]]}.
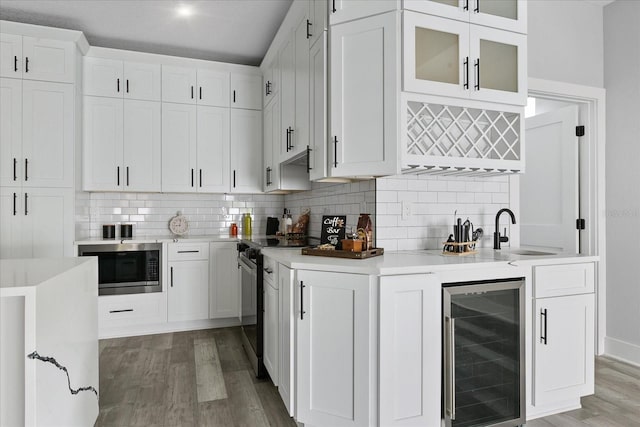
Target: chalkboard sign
{"points": [[333, 230]]}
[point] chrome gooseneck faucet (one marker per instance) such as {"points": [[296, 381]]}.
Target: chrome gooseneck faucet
{"points": [[497, 238]]}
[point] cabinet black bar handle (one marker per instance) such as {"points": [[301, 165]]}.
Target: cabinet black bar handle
{"points": [[309, 150], [269, 88], [126, 310], [477, 9], [118, 85], [291, 137], [192, 177], [15, 199], [127, 85], [26, 169], [333, 7], [200, 92], [26, 204], [15, 63], [118, 175], [308, 27], [302, 312], [191, 92], [127, 176], [200, 177], [266, 89], [26, 61], [287, 130], [172, 277], [466, 73], [234, 178], [543, 320], [335, 151], [268, 172], [466, 5], [15, 166], [195, 251], [477, 69], [234, 96]]}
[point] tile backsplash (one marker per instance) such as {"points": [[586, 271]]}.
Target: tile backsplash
{"points": [[150, 212]]}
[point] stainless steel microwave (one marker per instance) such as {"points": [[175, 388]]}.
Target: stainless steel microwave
{"points": [[127, 268]]}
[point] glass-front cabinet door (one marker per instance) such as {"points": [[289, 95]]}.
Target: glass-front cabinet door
{"points": [[498, 66], [436, 55]]}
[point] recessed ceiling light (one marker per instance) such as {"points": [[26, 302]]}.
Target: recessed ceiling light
{"points": [[184, 10]]}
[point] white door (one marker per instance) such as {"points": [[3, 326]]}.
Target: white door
{"points": [[142, 154], [453, 9], [287, 98], [246, 91], [48, 134], [213, 149], [317, 20], [333, 382], [286, 355], [224, 290], [364, 98], [271, 341], [318, 113], [11, 132], [49, 60], [11, 215], [178, 84], [410, 356], [213, 88], [246, 151], [11, 55], [188, 293], [178, 147], [508, 15], [563, 365], [141, 81], [102, 77], [348, 10], [48, 222], [102, 146], [267, 147], [299, 138], [549, 188]]}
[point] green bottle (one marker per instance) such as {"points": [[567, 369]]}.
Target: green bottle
{"points": [[246, 225]]}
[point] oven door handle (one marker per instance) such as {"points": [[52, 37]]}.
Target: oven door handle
{"points": [[247, 265]]}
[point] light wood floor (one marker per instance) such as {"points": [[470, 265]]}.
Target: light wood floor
{"points": [[151, 381]]}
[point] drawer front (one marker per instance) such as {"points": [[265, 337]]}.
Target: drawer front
{"points": [[565, 279], [124, 310], [188, 251]]}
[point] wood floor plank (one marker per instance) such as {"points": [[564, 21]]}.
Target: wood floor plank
{"points": [[209, 380], [148, 414], [215, 413], [246, 408], [181, 385], [273, 405]]}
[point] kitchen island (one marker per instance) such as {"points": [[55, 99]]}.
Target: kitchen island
{"points": [[49, 342], [362, 342]]}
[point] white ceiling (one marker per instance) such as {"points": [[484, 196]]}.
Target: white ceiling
{"points": [[237, 31]]}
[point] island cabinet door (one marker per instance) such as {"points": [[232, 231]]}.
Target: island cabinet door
{"points": [[333, 339], [410, 350]]}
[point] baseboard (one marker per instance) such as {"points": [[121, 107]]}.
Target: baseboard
{"points": [[552, 409], [621, 350], [163, 328]]}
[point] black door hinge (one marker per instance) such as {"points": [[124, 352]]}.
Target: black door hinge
{"points": [[581, 224], [579, 130]]}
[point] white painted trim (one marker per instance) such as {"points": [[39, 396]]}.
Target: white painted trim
{"points": [[592, 109], [556, 408], [623, 351], [167, 327], [30, 30]]}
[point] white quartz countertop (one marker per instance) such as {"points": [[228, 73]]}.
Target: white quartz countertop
{"points": [[169, 238], [416, 262], [22, 273]]}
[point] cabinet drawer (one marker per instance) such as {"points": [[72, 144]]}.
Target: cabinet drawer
{"points": [[188, 251], [124, 310], [565, 279]]}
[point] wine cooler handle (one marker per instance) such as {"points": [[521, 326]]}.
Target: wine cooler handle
{"points": [[450, 374]]}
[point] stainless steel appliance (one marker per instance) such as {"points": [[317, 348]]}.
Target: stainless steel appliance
{"points": [[483, 354], [127, 268]]}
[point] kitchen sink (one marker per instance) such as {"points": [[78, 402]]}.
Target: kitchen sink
{"points": [[529, 252]]}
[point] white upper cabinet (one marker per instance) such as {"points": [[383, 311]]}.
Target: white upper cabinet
{"points": [[348, 10], [37, 59], [299, 136], [317, 20], [271, 80], [246, 151], [213, 149], [178, 147], [213, 88], [455, 59], [11, 132], [179, 84], [287, 98], [141, 146], [318, 114], [121, 79], [365, 88], [505, 14], [246, 91]]}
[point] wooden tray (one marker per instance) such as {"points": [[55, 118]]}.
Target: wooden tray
{"points": [[343, 254]]}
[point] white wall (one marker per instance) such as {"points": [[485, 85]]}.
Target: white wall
{"points": [[622, 82], [565, 41]]}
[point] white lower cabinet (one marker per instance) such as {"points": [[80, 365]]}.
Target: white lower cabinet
{"points": [[271, 329], [188, 289], [334, 334], [224, 285], [286, 382], [409, 350]]}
